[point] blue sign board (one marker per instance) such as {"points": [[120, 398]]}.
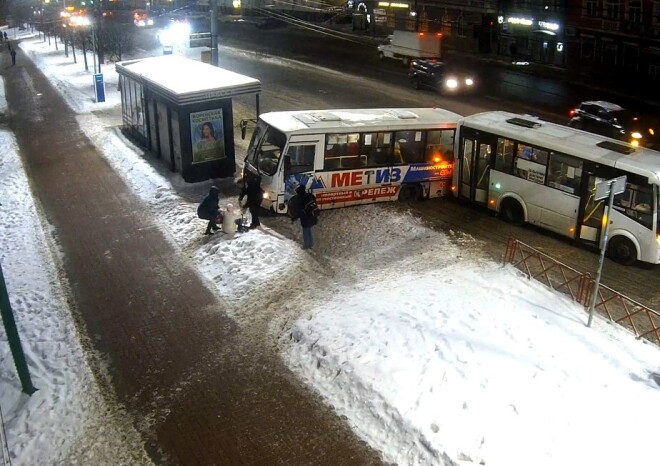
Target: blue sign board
{"points": [[167, 50], [99, 88]]}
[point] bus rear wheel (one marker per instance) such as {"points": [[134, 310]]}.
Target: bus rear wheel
{"points": [[620, 249], [512, 212], [409, 192]]}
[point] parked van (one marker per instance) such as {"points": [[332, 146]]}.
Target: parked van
{"points": [[407, 45]]}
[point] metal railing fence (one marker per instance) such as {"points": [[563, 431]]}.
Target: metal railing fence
{"points": [[641, 320]]}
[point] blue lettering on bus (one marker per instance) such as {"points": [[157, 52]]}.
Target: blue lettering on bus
{"points": [[387, 175]]}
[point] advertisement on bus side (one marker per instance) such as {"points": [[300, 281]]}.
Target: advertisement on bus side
{"points": [[370, 183]]}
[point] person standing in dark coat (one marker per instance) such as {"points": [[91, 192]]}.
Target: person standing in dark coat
{"points": [[208, 210], [255, 195], [300, 207], [13, 57]]}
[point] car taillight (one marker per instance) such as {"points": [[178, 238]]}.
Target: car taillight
{"points": [[571, 112]]}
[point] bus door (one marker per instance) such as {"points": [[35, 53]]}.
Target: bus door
{"points": [[590, 218], [298, 168], [476, 157]]}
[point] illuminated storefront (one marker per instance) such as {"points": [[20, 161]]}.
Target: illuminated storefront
{"points": [[526, 37]]}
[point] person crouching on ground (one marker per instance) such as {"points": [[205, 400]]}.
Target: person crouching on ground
{"points": [[208, 210], [255, 195], [303, 206]]}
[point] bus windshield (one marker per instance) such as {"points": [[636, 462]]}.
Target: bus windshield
{"points": [[266, 148]]}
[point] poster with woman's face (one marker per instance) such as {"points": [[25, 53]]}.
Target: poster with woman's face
{"points": [[207, 136]]}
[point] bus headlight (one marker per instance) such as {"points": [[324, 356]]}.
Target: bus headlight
{"points": [[469, 82], [451, 83]]}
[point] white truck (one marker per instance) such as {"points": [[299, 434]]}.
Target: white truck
{"points": [[407, 45]]}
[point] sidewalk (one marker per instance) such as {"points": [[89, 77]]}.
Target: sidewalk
{"points": [[196, 388]]}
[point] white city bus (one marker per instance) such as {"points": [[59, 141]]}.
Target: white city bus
{"points": [[529, 170], [349, 157]]}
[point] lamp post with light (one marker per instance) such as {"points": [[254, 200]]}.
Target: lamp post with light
{"points": [[85, 22]]}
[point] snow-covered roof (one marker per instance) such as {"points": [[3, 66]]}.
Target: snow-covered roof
{"points": [[186, 81], [367, 119]]}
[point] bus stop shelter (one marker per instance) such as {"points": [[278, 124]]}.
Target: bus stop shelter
{"points": [[181, 111]]}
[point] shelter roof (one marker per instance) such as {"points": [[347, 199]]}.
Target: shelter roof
{"points": [[185, 81]]}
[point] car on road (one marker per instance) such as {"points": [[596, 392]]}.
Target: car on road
{"points": [[436, 75], [614, 121], [142, 18]]}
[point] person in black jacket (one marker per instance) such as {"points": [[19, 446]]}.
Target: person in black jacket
{"points": [[255, 195], [208, 210], [299, 208]]}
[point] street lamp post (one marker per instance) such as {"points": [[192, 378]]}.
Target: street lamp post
{"points": [[94, 48]]}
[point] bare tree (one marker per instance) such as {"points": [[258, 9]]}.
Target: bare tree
{"points": [[117, 39]]}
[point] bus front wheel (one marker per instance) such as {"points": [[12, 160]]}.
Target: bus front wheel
{"points": [[512, 212], [409, 192], [620, 249]]}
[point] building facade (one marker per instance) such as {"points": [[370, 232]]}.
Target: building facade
{"points": [[617, 36]]}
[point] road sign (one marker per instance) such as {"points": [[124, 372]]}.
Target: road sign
{"points": [[618, 185], [200, 39]]}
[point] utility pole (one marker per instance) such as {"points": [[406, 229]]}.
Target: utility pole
{"points": [[609, 189], [214, 32], [94, 48], [14, 339]]}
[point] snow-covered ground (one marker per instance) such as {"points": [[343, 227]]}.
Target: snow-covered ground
{"points": [[434, 354]]}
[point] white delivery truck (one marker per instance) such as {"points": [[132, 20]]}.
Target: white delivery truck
{"points": [[408, 45]]}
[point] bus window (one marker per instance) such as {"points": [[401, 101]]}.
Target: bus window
{"points": [[636, 202], [440, 145], [268, 156], [255, 142], [528, 164], [378, 148], [564, 172], [504, 161], [343, 151], [483, 164], [299, 159], [409, 146]]}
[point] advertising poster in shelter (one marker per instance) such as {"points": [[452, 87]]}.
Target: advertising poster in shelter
{"points": [[207, 136]]}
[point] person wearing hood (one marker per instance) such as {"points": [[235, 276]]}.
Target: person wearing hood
{"points": [[208, 209], [303, 206]]}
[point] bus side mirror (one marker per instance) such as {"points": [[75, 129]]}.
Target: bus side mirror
{"points": [[243, 126]]}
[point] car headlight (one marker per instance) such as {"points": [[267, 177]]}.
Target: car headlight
{"points": [[451, 83], [469, 82], [636, 135]]}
